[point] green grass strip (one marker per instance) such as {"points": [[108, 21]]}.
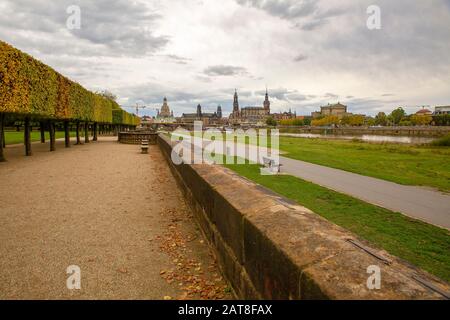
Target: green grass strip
{"points": [[422, 244]]}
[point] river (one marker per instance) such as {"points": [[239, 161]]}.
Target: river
{"points": [[366, 137]]}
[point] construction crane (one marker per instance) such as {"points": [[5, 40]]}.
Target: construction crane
{"points": [[136, 107], [139, 107]]}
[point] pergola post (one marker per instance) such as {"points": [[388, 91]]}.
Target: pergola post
{"points": [[66, 134], [2, 137], [51, 129], [78, 132], [27, 137], [95, 132], [86, 132], [42, 128]]}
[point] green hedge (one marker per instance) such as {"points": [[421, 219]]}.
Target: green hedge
{"points": [[29, 87], [120, 116]]}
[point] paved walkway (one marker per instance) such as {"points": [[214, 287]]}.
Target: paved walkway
{"points": [[112, 211], [420, 203]]}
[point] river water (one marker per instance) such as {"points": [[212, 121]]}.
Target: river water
{"points": [[366, 137]]}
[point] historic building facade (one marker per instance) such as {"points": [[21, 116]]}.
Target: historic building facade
{"points": [[164, 114], [251, 115], [207, 118], [284, 115], [337, 109]]}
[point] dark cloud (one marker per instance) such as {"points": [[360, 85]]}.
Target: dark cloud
{"points": [[297, 97], [300, 57], [331, 95], [177, 59], [222, 70], [306, 14], [282, 94], [287, 9], [321, 18], [116, 27], [311, 25]]}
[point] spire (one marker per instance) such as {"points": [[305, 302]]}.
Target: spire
{"points": [[267, 103], [235, 102], [219, 111]]}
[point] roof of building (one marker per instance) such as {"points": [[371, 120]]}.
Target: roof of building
{"points": [[336, 105], [252, 108], [424, 111], [204, 115]]}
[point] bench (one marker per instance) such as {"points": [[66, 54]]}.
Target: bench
{"points": [[271, 166], [144, 146]]}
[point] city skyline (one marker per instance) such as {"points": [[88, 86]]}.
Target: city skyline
{"points": [[308, 53]]}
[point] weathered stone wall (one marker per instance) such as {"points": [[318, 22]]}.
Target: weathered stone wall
{"points": [[270, 248], [136, 137]]}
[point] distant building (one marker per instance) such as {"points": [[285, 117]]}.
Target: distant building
{"points": [[284, 115], [441, 110], [252, 115], [146, 120], [337, 109], [206, 118], [424, 112], [165, 115]]}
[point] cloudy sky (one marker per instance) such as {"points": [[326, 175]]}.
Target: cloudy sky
{"points": [[308, 53]]}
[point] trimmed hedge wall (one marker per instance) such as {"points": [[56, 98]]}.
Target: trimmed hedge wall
{"points": [[29, 87], [119, 116]]}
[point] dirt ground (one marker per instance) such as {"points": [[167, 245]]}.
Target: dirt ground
{"points": [[115, 213]]}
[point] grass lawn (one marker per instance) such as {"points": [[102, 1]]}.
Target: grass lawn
{"points": [[14, 137], [404, 164], [424, 245]]}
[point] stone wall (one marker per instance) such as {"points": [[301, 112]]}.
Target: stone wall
{"points": [[271, 248], [136, 137]]}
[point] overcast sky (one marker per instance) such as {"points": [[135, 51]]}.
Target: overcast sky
{"points": [[308, 53]]}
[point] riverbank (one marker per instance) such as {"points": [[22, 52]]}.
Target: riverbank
{"points": [[414, 140], [413, 165], [417, 131], [408, 165]]}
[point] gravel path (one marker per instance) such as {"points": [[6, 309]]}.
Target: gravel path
{"points": [[106, 208]]}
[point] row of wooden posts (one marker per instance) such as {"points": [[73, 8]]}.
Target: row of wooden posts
{"points": [[96, 129]]}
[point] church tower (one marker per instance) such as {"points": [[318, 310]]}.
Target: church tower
{"points": [[235, 103], [219, 111], [267, 103], [165, 109]]}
